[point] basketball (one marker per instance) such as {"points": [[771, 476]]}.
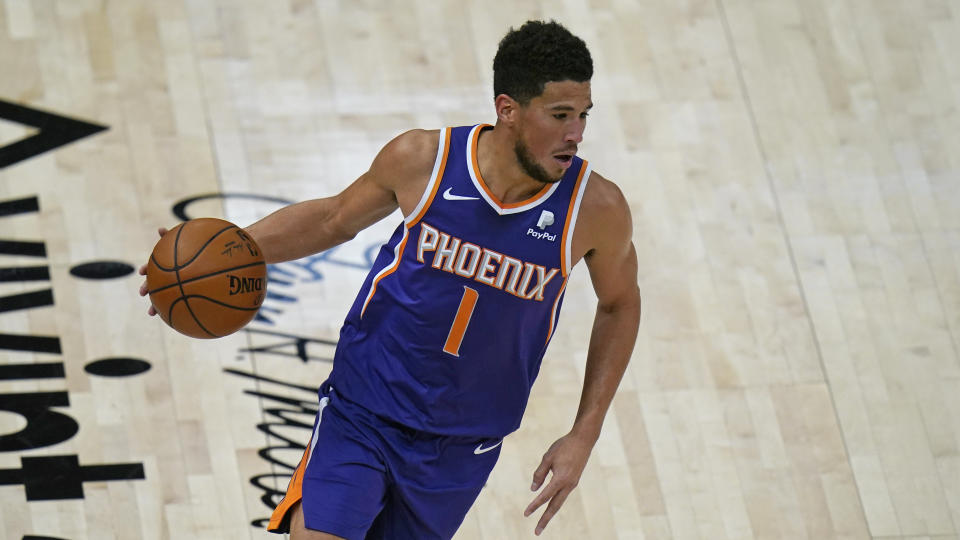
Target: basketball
{"points": [[206, 278]]}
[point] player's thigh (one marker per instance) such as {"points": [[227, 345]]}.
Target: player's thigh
{"points": [[344, 483], [299, 531], [432, 502]]}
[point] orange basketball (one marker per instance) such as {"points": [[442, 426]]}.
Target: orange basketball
{"points": [[206, 278]]}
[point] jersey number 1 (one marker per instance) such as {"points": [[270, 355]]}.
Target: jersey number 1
{"points": [[460, 322]]}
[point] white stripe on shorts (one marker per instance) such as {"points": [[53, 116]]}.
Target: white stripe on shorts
{"points": [[316, 428]]}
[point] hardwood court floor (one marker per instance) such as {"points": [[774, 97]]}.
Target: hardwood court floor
{"points": [[793, 167]]}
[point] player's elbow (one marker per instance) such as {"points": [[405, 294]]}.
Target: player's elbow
{"points": [[339, 233], [627, 302], [338, 226]]}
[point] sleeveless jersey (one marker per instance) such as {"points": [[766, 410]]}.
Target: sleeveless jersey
{"points": [[448, 331]]}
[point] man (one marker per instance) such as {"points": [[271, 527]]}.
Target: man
{"points": [[437, 355]]}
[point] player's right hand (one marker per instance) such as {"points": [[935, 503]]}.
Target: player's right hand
{"points": [[143, 272]]}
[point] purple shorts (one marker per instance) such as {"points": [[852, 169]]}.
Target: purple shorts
{"points": [[363, 476]]}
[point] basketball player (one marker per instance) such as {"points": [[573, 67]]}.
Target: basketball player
{"points": [[437, 356]]}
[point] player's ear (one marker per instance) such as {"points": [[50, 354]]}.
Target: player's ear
{"points": [[507, 108]]}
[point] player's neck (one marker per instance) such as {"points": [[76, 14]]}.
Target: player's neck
{"points": [[497, 160]]}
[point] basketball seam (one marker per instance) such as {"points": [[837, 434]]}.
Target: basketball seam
{"points": [[195, 255], [183, 294], [184, 300], [153, 259], [224, 304], [207, 243], [191, 280]]}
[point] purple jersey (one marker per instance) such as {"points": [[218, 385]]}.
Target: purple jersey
{"points": [[448, 331]]}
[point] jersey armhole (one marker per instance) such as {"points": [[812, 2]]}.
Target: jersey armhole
{"points": [[430, 192], [572, 213]]}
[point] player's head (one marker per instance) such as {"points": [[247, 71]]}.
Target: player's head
{"points": [[535, 54], [541, 84]]}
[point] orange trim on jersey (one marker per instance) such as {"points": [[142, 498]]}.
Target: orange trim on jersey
{"points": [[476, 171], [436, 180], [461, 321], [553, 312], [294, 492], [566, 224], [391, 269]]}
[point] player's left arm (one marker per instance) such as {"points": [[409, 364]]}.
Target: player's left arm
{"points": [[612, 261]]}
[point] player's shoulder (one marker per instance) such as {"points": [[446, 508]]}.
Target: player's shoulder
{"points": [[603, 199], [413, 148], [407, 158], [604, 211]]}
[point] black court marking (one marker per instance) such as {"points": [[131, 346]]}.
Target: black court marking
{"points": [[195, 255], [117, 367], [241, 267], [19, 206], [25, 273], [55, 131], [180, 209], [101, 270], [45, 370], [27, 300], [24, 248], [50, 478], [30, 343]]}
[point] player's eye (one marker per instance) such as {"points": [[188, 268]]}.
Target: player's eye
{"points": [[560, 116], [584, 115]]}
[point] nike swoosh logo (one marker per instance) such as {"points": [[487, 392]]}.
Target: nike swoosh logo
{"points": [[480, 449], [451, 197]]}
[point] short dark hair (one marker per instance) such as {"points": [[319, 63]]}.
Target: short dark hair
{"points": [[537, 53]]}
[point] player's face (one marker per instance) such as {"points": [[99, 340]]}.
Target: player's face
{"points": [[551, 127]]}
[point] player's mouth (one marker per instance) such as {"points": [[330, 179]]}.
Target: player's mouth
{"points": [[564, 159]]}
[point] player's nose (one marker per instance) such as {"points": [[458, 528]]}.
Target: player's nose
{"points": [[575, 135]]}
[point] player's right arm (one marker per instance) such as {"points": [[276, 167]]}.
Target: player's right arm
{"points": [[397, 177]]}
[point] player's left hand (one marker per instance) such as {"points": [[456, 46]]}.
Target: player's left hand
{"points": [[143, 272], [566, 458]]}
